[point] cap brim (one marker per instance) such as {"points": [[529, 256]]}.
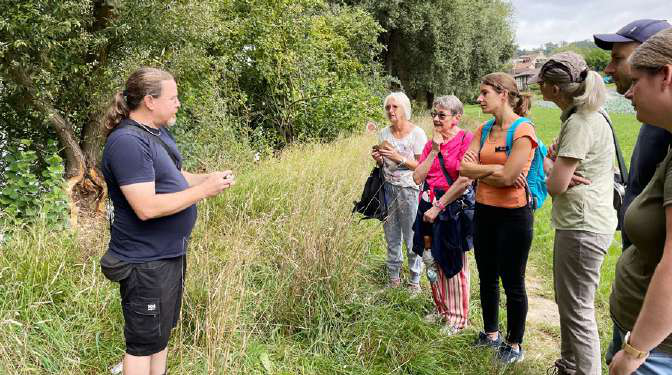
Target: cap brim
{"points": [[606, 41]]}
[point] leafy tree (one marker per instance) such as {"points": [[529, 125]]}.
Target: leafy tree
{"points": [[271, 71], [444, 46]]}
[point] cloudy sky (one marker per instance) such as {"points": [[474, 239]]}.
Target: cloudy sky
{"points": [[541, 21]]}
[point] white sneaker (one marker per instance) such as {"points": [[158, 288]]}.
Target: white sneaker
{"points": [[118, 368]]}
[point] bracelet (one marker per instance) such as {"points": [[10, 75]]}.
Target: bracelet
{"points": [[402, 162], [638, 354], [441, 206]]}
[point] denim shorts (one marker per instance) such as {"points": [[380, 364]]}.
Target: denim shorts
{"points": [[151, 297], [657, 363]]}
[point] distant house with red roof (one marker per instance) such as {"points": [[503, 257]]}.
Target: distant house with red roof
{"points": [[526, 67]]}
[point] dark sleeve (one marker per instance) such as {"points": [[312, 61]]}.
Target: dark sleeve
{"points": [[654, 145], [129, 159]]}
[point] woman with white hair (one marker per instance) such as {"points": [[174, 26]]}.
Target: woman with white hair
{"points": [[641, 297], [400, 146], [583, 214]]}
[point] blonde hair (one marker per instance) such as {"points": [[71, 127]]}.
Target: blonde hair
{"points": [[403, 100], [144, 81], [588, 95], [654, 53], [520, 102]]}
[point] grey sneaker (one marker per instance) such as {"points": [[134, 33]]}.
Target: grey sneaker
{"points": [[394, 282], [508, 355], [484, 341], [414, 289]]}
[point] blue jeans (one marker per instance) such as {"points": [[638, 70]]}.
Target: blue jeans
{"points": [[402, 206], [657, 363]]}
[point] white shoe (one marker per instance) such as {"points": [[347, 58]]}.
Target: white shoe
{"points": [[118, 368]]}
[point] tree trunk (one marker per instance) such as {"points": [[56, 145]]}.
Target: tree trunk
{"points": [[86, 189]]}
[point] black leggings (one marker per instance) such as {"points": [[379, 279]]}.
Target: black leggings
{"points": [[502, 240]]}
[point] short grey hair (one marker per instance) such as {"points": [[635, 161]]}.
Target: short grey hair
{"points": [[451, 103], [403, 100]]}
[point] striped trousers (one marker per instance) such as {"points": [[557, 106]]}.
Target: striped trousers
{"points": [[451, 296]]}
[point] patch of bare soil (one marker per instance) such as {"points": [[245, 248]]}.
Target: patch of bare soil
{"points": [[543, 320]]}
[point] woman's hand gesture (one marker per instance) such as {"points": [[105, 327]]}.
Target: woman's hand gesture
{"points": [[437, 140]]}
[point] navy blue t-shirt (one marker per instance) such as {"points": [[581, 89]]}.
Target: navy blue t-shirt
{"points": [[132, 157]]}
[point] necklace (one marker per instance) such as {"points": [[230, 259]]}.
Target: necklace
{"points": [[149, 129]]}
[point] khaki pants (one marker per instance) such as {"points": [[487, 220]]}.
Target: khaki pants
{"points": [[577, 258]]}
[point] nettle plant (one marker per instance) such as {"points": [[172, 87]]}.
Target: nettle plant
{"points": [[33, 189]]}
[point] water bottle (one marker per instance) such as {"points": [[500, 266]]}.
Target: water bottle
{"points": [[430, 266]]}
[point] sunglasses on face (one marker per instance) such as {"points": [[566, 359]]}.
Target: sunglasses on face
{"points": [[442, 115]]}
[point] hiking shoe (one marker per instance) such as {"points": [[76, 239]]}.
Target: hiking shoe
{"points": [[507, 354], [561, 367], [394, 282], [414, 289], [484, 341]]}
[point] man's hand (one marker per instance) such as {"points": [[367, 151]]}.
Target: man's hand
{"points": [[624, 364], [217, 182], [431, 214]]}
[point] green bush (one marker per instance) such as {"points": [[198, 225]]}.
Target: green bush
{"points": [[33, 188]]}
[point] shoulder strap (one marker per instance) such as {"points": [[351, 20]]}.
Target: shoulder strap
{"points": [[486, 130], [160, 141], [619, 155], [512, 131]]}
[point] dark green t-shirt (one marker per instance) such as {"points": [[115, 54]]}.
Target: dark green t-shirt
{"points": [[645, 226]]}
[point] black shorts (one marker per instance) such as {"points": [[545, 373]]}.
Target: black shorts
{"points": [[151, 297]]}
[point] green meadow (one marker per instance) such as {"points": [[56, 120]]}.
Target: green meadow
{"points": [[281, 279]]}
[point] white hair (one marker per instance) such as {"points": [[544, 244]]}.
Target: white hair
{"points": [[451, 103], [403, 101]]}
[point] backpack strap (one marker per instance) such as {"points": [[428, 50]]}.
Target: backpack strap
{"points": [[619, 155], [486, 130], [512, 131], [158, 139]]}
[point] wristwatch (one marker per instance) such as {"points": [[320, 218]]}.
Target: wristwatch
{"points": [[441, 206], [402, 162], [638, 354]]}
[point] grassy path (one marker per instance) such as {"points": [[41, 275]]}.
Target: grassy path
{"points": [[281, 280]]}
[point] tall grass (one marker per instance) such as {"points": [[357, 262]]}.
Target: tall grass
{"points": [[281, 279]]}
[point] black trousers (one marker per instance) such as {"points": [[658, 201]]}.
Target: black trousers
{"points": [[502, 240]]}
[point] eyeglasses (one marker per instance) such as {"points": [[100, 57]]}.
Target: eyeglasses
{"points": [[442, 115]]}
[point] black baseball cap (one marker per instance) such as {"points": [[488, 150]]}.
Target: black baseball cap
{"points": [[635, 31]]}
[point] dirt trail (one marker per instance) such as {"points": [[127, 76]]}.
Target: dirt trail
{"points": [[543, 322]]}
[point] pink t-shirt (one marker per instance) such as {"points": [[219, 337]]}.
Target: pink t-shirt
{"points": [[452, 152]]}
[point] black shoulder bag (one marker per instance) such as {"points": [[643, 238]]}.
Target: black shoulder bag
{"points": [[372, 202]]}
